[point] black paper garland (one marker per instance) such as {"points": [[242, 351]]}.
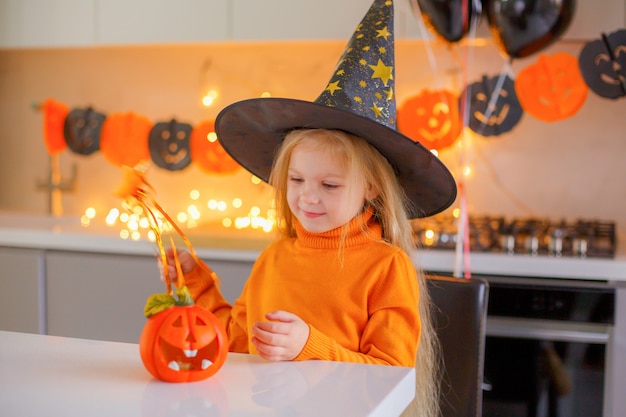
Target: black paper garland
{"points": [[603, 65]]}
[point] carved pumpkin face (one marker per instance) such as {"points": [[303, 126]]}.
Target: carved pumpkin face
{"points": [[183, 344], [552, 88], [431, 118], [124, 139], [54, 114], [603, 65], [493, 108], [82, 130], [207, 153], [169, 145]]}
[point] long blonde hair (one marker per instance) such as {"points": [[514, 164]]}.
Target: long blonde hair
{"points": [[390, 210]]}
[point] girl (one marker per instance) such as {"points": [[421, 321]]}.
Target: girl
{"points": [[339, 284]]}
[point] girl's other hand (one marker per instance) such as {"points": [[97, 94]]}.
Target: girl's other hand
{"points": [[282, 338], [187, 263]]}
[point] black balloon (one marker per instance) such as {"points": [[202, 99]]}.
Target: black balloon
{"points": [[450, 19], [602, 64], [523, 27]]}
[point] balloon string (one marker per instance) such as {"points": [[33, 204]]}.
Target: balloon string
{"points": [[495, 94], [185, 240], [463, 258], [424, 35]]}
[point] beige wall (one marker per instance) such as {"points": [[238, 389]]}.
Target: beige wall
{"points": [[572, 168]]}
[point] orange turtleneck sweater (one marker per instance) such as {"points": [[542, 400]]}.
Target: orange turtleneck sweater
{"points": [[359, 298]]}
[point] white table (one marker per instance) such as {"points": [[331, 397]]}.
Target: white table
{"points": [[58, 376]]}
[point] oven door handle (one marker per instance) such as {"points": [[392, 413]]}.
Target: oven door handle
{"points": [[552, 330]]}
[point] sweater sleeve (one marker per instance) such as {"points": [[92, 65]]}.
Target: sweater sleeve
{"points": [[203, 285], [392, 332]]}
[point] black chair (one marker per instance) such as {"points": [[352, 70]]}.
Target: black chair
{"points": [[460, 319]]}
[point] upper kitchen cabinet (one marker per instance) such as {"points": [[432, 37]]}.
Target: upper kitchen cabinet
{"points": [[284, 20], [46, 23], [161, 21]]}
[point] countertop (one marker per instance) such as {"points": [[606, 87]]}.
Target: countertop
{"points": [[58, 376], [67, 233]]}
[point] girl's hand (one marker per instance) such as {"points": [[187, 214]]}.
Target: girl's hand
{"points": [[282, 338], [187, 263]]}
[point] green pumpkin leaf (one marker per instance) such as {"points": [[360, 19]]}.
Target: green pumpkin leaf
{"points": [[157, 303], [183, 297]]}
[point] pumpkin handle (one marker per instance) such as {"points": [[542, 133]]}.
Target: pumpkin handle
{"points": [[181, 279]]}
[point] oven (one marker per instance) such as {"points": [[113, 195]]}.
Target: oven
{"points": [[547, 347], [555, 347]]}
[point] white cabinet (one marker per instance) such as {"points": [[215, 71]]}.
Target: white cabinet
{"points": [[46, 23], [296, 19], [162, 21], [102, 296], [22, 290]]}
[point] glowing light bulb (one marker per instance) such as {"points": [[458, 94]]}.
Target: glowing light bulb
{"points": [[237, 203], [144, 223], [209, 98], [255, 180], [194, 194], [227, 222], [90, 212]]}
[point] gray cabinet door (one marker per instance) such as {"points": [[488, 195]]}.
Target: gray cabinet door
{"points": [[22, 290], [102, 296], [99, 296]]}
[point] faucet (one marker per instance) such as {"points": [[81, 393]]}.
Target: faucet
{"points": [[55, 185]]}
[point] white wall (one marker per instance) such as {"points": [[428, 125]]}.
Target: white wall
{"points": [[572, 168]]}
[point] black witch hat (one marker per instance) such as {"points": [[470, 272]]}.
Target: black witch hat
{"points": [[359, 99]]}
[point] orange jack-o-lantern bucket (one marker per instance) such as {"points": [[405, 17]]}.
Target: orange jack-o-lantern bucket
{"points": [[183, 343]]}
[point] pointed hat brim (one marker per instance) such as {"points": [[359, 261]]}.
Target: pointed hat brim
{"points": [[251, 131]]}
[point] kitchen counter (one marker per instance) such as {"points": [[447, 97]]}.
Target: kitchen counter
{"points": [[67, 234], [59, 376]]}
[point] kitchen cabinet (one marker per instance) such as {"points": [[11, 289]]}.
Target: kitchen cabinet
{"points": [[102, 296], [162, 21], [22, 290], [46, 23], [63, 23]]}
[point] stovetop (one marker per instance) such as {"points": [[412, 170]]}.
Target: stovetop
{"points": [[582, 238]]}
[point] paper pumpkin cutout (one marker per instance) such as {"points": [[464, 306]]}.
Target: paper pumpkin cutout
{"points": [[124, 139], [551, 89], [207, 153], [493, 105], [54, 114], [431, 118], [183, 343], [169, 145], [603, 65], [82, 129]]}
